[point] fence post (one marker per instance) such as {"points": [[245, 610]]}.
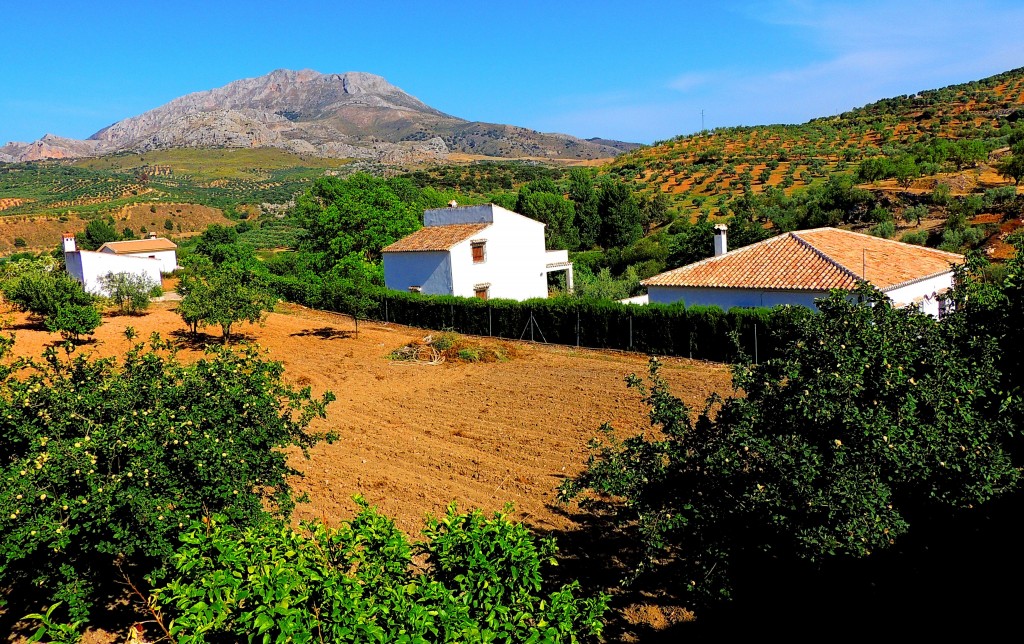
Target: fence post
{"points": [[490, 331], [385, 311], [755, 343], [531, 325], [631, 333], [577, 328]]}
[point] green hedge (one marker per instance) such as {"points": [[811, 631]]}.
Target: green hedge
{"points": [[706, 333]]}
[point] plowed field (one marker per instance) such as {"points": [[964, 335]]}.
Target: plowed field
{"points": [[415, 437]]}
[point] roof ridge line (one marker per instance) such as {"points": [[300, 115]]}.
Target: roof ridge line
{"points": [[822, 254]]}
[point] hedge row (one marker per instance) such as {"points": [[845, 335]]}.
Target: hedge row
{"points": [[706, 333]]}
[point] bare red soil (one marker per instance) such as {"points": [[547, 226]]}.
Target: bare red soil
{"points": [[415, 437]]}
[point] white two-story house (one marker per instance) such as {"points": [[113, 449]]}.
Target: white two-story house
{"points": [[474, 251]]}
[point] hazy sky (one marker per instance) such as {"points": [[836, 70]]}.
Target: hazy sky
{"points": [[637, 71]]}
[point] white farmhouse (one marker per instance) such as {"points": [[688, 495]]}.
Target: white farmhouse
{"points": [[87, 267], [152, 248], [474, 251], [802, 266]]}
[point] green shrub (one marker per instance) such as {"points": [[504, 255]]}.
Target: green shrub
{"points": [[920, 238], [469, 354], [19, 242], [885, 230], [875, 417], [74, 320], [128, 291], [103, 463], [480, 580]]}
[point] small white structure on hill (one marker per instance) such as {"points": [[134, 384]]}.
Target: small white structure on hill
{"points": [[87, 267], [152, 248], [802, 266], [475, 251]]}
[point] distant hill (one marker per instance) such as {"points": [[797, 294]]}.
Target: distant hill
{"points": [[350, 115], [723, 162]]}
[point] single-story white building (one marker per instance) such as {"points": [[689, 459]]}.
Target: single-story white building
{"points": [[87, 267], [153, 247], [474, 251], [802, 266]]}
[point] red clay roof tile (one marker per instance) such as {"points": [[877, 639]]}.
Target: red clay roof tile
{"points": [[433, 238], [813, 260]]}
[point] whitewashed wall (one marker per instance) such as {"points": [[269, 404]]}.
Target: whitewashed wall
{"points": [[514, 263], [431, 271], [88, 267], [926, 290], [168, 258]]}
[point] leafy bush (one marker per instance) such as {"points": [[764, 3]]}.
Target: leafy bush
{"points": [[919, 238], [873, 417], [19, 242], [129, 291], [102, 465], [74, 320], [481, 581], [41, 292], [885, 230], [222, 295]]}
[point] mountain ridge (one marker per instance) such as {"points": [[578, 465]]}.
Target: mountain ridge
{"points": [[351, 114]]}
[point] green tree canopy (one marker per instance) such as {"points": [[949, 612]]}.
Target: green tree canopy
{"points": [[223, 295], [584, 197], [619, 211], [360, 215], [97, 233]]}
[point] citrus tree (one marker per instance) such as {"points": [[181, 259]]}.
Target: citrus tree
{"points": [[479, 580], [871, 417], [104, 463]]}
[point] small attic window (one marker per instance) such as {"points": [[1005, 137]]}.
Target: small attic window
{"points": [[479, 253]]}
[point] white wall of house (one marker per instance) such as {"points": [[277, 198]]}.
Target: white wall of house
{"points": [[515, 262], [514, 266], [431, 271], [923, 293], [168, 258], [726, 298], [88, 267]]}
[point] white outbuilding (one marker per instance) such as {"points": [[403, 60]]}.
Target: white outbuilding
{"points": [[802, 266], [153, 247], [474, 251], [87, 267]]}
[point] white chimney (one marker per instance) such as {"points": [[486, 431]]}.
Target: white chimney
{"points": [[69, 243], [152, 235], [721, 246], [453, 203]]}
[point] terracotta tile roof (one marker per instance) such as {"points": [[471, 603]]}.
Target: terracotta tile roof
{"points": [[435, 238], [813, 260], [139, 246]]}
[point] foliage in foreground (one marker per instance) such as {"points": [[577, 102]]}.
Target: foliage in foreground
{"points": [[103, 464], [480, 581], [873, 417]]}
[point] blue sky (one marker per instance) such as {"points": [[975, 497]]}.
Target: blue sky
{"points": [[638, 71]]}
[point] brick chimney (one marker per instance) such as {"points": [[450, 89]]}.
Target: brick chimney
{"points": [[721, 245]]}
